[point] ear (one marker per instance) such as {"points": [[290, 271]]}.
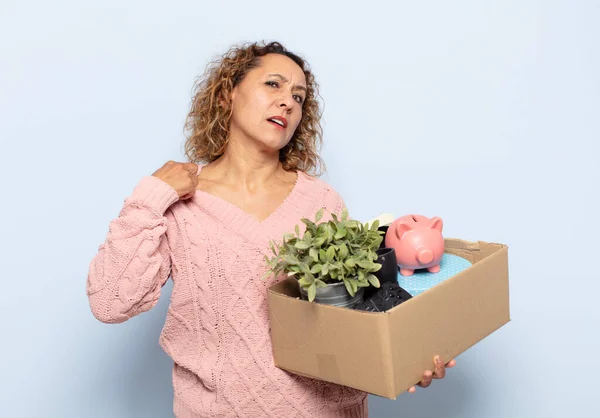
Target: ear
{"points": [[401, 229], [436, 223]]}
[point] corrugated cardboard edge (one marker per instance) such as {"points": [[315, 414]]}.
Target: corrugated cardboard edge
{"points": [[386, 352]]}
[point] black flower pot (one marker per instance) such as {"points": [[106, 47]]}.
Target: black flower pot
{"points": [[383, 228], [389, 269], [389, 265], [387, 297]]}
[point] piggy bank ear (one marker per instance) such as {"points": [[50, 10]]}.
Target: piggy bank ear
{"points": [[436, 223], [401, 229]]}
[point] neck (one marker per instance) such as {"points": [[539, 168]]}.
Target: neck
{"points": [[243, 165]]}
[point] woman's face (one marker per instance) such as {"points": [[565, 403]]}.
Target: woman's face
{"points": [[267, 104]]}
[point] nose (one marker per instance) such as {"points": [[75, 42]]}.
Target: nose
{"points": [[424, 256], [286, 102]]}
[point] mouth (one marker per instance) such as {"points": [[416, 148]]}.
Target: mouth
{"points": [[279, 121]]}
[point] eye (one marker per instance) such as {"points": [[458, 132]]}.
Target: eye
{"points": [[298, 98], [272, 83]]}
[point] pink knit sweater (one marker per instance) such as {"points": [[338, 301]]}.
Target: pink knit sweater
{"points": [[217, 325]]}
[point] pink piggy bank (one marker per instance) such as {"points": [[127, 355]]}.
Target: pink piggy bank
{"points": [[418, 243]]}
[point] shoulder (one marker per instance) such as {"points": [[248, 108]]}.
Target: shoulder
{"points": [[328, 195]]}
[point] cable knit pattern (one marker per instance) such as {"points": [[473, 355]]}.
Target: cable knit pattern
{"points": [[217, 326]]}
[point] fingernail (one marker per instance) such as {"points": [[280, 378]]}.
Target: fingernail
{"points": [[438, 360]]}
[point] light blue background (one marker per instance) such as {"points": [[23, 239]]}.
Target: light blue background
{"points": [[482, 112]]}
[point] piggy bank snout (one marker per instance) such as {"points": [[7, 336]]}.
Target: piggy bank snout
{"points": [[424, 256]]}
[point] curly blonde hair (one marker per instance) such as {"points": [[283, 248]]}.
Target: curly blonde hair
{"points": [[210, 114]]}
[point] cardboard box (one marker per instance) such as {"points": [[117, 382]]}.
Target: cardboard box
{"points": [[386, 353]]}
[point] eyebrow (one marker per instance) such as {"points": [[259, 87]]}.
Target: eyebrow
{"points": [[282, 78]]}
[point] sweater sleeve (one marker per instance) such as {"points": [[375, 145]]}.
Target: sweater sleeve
{"points": [[127, 273]]}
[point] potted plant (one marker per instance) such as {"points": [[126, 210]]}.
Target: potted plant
{"points": [[333, 261]]}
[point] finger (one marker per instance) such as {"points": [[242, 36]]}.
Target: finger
{"points": [[427, 378], [193, 172], [192, 168], [195, 179], [440, 370], [412, 389], [451, 363], [188, 195]]}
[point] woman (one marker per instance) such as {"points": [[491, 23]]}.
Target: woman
{"points": [[207, 223]]}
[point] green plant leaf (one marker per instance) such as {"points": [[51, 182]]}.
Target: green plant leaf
{"points": [[328, 233], [310, 225], [375, 225], [344, 252], [316, 268], [373, 280], [305, 281], [354, 284], [301, 245], [322, 255], [362, 283], [314, 254], [318, 241], [330, 253], [320, 283], [349, 287], [290, 259], [357, 226], [312, 292], [376, 267], [319, 215], [340, 233], [366, 264], [344, 214], [304, 268]]}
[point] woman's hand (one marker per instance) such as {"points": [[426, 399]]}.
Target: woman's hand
{"points": [[183, 177], [438, 373]]}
